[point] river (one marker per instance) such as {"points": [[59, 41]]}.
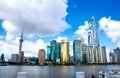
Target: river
{"points": [[51, 71]]}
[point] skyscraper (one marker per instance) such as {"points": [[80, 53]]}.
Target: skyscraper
{"points": [[104, 57], [49, 53], [84, 53], [14, 57], [94, 32], [21, 53], [57, 53], [90, 54], [117, 54], [65, 57], [77, 51], [53, 50], [95, 42], [41, 56], [112, 57]]}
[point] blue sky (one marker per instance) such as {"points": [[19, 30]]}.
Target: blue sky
{"points": [[47, 20]]}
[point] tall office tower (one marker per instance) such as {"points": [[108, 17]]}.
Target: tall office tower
{"points": [[41, 56], [103, 53], [14, 58], [90, 54], [117, 54], [111, 57], [21, 53], [94, 32], [95, 42], [49, 53], [77, 51], [52, 44], [65, 57], [57, 53], [89, 38], [84, 53]]}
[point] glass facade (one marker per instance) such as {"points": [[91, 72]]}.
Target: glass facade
{"points": [[48, 53], [117, 54], [65, 57], [77, 51], [57, 55], [53, 44]]}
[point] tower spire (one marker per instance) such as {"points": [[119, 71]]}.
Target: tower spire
{"points": [[95, 42], [21, 41], [21, 53], [94, 31]]}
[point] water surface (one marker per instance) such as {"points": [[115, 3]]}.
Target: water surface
{"points": [[51, 71]]}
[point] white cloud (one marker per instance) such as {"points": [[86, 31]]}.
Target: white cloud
{"points": [[60, 38], [30, 48], [83, 31], [37, 17], [110, 27], [9, 28]]}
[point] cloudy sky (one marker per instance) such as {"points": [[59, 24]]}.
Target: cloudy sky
{"points": [[45, 20]]}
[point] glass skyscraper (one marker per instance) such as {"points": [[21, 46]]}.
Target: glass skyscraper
{"points": [[65, 57], [57, 53], [54, 52], [117, 55], [48, 53], [53, 44], [77, 51]]}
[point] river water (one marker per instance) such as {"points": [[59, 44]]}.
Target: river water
{"points": [[51, 71]]}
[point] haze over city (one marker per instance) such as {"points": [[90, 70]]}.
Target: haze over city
{"points": [[43, 21]]}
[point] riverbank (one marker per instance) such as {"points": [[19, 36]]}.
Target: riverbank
{"points": [[55, 64]]}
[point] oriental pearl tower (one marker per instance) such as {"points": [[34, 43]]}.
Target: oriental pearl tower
{"points": [[21, 53]]}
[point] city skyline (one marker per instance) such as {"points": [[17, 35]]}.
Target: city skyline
{"points": [[56, 20]]}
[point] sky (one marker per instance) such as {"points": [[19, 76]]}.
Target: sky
{"points": [[45, 20]]}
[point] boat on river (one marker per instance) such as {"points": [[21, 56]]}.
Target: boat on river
{"points": [[110, 73]]}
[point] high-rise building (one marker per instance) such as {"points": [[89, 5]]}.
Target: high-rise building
{"points": [[84, 53], [77, 51], [95, 42], [94, 32], [53, 45], [57, 53], [90, 54], [97, 54], [54, 52], [65, 57], [49, 53], [112, 57], [41, 56], [21, 53], [117, 54], [104, 57], [14, 58]]}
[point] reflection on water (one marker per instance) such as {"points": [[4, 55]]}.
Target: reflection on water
{"points": [[50, 71]]}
